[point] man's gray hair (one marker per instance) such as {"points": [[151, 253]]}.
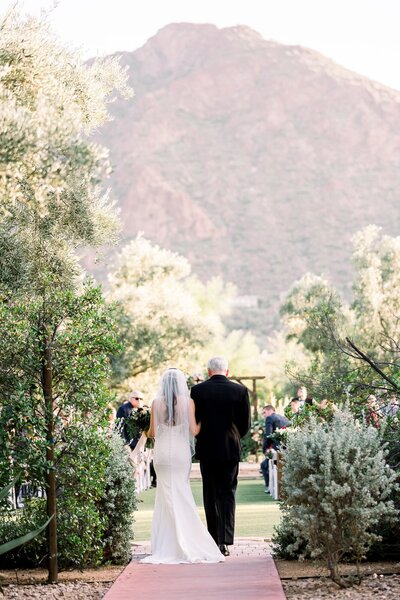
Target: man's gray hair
{"points": [[217, 364]]}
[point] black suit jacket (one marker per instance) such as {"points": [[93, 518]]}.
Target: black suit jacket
{"points": [[223, 409], [273, 423]]}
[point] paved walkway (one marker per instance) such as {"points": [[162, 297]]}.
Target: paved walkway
{"points": [[248, 574]]}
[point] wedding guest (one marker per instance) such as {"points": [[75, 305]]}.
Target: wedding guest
{"points": [[303, 398], [372, 414], [326, 403], [273, 421], [124, 411], [392, 407]]}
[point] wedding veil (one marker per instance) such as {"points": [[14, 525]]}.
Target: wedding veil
{"points": [[171, 406]]}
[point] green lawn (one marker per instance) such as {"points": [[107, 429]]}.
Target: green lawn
{"points": [[256, 513]]}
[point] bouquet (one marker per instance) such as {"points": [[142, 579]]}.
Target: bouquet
{"points": [[138, 422]]}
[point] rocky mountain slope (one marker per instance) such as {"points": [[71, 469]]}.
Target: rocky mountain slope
{"points": [[256, 160]]}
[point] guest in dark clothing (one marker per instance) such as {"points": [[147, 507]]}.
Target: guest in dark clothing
{"points": [[223, 409], [303, 398], [125, 411], [273, 422]]}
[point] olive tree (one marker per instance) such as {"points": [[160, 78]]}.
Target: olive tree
{"points": [[51, 199]]}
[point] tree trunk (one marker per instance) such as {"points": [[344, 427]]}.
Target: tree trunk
{"points": [[47, 383]]}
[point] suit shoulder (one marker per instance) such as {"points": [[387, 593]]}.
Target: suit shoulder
{"points": [[238, 385], [196, 388]]}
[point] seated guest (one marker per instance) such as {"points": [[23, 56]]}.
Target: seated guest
{"points": [[273, 421]]}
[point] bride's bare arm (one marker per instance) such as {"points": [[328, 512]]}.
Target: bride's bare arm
{"points": [[150, 431], [193, 426]]}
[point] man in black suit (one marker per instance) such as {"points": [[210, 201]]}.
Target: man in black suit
{"points": [[273, 422], [223, 409]]}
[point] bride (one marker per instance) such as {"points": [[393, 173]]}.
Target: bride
{"points": [[178, 535]]}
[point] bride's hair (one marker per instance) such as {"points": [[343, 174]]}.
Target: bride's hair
{"points": [[172, 408]]}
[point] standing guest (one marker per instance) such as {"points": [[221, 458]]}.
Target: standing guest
{"points": [[372, 416], [223, 409], [392, 407], [124, 411], [292, 410], [303, 398], [273, 422]]}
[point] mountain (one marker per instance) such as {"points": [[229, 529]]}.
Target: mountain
{"points": [[256, 160]]}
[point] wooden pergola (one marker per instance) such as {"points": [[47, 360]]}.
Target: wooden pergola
{"points": [[252, 390]]}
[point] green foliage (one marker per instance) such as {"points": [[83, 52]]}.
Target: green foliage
{"points": [[83, 336], [18, 524], [376, 303], [160, 321], [286, 542], [337, 488], [48, 97], [118, 504], [252, 442], [136, 423], [81, 471], [96, 500], [340, 338], [315, 412], [59, 332], [13, 543]]}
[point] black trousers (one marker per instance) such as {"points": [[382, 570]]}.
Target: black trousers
{"points": [[219, 487]]}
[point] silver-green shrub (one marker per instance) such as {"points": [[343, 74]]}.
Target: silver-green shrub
{"points": [[337, 487]]}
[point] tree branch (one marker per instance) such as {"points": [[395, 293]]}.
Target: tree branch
{"points": [[362, 356]]}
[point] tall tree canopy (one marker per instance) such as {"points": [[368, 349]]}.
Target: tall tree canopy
{"points": [[51, 202]]}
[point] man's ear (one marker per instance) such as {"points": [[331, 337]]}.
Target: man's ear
{"points": [[227, 373], [209, 372]]}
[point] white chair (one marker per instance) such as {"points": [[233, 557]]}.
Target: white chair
{"points": [[273, 475]]}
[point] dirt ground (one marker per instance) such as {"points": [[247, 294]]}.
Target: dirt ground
{"points": [[309, 581], [29, 576], [289, 569]]}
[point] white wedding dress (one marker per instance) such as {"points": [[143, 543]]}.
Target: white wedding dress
{"points": [[178, 534]]}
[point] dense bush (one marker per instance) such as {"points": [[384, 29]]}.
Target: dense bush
{"points": [[118, 503], [96, 499], [337, 488]]}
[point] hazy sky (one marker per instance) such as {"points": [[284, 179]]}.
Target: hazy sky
{"points": [[362, 35]]}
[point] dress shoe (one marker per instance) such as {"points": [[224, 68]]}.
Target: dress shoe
{"points": [[224, 550]]}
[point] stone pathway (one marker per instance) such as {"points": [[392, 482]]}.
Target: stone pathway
{"points": [[248, 574]]}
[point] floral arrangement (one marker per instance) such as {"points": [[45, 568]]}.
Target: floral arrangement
{"points": [[252, 442], [138, 422]]}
